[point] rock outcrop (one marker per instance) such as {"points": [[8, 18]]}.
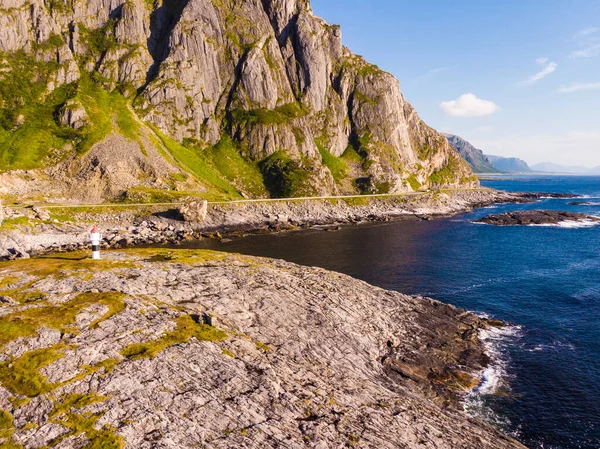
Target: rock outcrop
{"points": [[267, 75], [194, 211], [73, 114], [539, 195], [539, 217], [580, 203], [117, 353]]}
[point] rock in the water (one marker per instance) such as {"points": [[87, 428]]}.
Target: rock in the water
{"points": [[195, 211], [537, 195], [580, 203], [537, 217]]}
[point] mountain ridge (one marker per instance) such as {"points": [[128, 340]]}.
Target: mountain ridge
{"points": [[278, 108], [475, 157], [509, 164]]}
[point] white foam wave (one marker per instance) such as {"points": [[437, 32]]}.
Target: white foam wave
{"points": [[495, 378], [569, 224], [554, 347]]}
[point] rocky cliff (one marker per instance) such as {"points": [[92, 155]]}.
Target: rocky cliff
{"points": [[478, 161], [159, 98], [176, 349]]}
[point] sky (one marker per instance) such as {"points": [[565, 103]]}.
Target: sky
{"points": [[516, 78]]}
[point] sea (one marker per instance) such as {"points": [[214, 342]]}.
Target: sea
{"points": [[543, 386]]}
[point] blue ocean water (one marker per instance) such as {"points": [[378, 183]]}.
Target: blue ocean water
{"points": [[544, 384]]}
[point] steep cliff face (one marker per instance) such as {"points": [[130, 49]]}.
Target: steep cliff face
{"points": [[261, 94]]}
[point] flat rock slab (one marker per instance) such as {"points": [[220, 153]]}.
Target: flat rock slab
{"points": [[536, 217], [118, 353]]}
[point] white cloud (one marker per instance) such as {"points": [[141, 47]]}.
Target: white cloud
{"points": [[541, 60], [591, 51], [486, 128], [579, 86], [546, 70], [573, 148], [468, 105], [588, 41]]}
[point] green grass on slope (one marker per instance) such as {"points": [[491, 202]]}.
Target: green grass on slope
{"points": [[193, 160], [280, 115], [337, 166], [27, 126], [414, 182], [285, 178], [447, 175], [29, 130], [352, 156], [228, 160], [104, 109]]}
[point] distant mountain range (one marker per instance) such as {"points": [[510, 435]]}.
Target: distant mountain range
{"points": [[482, 163], [478, 161], [549, 167], [487, 163], [509, 164]]}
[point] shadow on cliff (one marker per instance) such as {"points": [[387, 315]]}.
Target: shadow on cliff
{"points": [[162, 22]]}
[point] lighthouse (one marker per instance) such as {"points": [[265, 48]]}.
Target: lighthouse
{"points": [[95, 238]]}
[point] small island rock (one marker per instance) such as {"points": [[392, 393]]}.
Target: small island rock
{"points": [[536, 217]]}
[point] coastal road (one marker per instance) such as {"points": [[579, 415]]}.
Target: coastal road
{"points": [[257, 200]]}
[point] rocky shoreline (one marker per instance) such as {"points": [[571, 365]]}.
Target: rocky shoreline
{"points": [[166, 348], [124, 227]]}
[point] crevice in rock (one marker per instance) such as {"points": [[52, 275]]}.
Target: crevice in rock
{"points": [[237, 78], [268, 8], [162, 23]]}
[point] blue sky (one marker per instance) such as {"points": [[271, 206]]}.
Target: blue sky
{"points": [[532, 68]]}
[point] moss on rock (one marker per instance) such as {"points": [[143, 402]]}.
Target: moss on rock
{"points": [[186, 329]]}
